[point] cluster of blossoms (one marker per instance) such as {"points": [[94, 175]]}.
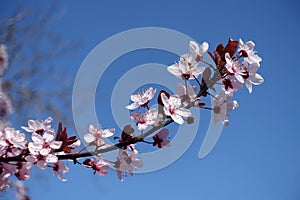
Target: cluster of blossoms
{"points": [[235, 65], [18, 155]]}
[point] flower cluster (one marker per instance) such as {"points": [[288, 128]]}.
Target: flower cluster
{"points": [[234, 65], [18, 155]]}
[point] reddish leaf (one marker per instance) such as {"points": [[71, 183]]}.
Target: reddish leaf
{"points": [[62, 135], [231, 47]]}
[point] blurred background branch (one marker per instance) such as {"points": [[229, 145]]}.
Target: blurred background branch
{"points": [[36, 82]]}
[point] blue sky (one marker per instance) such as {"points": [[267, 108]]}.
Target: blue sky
{"points": [[257, 156]]}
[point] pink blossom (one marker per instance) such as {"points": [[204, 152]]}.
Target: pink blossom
{"points": [[100, 166], [35, 126], [160, 138], [196, 52], [222, 108], [253, 78], [172, 108], [230, 84], [247, 50], [145, 119], [141, 99], [96, 135], [187, 94], [59, 168], [12, 142], [41, 148], [23, 170], [40, 160], [234, 68], [127, 161], [185, 69]]}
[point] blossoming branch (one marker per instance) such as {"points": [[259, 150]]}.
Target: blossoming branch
{"points": [[234, 65]]}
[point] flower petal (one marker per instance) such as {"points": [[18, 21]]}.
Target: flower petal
{"points": [[183, 112], [174, 69], [108, 132], [193, 47], [257, 79], [56, 144], [51, 158], [89, 138], [36, 138], [203, 48], [133, 106], [177, 118]]}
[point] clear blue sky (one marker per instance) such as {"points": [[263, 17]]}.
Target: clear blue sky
{"points": [[257, 156]]}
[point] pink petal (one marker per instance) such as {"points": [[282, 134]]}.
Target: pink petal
{"points": [[138, 163], [34, 148], [42, 164], [56, 144], [163, 134], [89, 138], [45, 151], [31, 158], [51, 158], [36, 138], [48, 135]]}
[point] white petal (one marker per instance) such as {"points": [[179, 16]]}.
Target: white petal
{"points": [[241, 42], [132, 106], [34, 148], [197, 71], [255, 58], [36, 138], [165, 100], [45, 151], [56, 144], [150, 92], [183, 112], [177, 118], [166, 110], [27, 129], [248, 86], [257, 79], [89, 138], [203, 48], [91, 128], [48, 135], [253, 67], [51, 158], [194, 47], [228, 59], [35, 124], [108, 132], [239, 78], [174, 69], [250, 45], [142, 126]]}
